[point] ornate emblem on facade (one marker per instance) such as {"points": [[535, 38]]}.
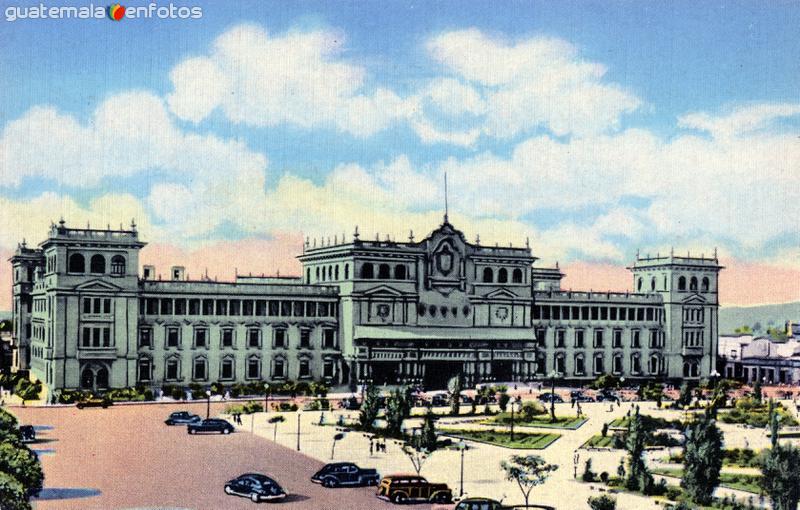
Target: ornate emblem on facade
{"points": [[383, 311], [501, 313], [444, 260]]}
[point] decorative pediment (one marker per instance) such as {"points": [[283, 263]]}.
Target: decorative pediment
{"points": [[501, 294], [100, 285], [694, 299], [382, 290]]}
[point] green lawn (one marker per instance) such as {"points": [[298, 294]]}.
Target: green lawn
{"points": [[543, 420], [598, 441], [524, 441], [742, 482]]}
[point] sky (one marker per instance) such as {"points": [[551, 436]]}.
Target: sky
{"points": [[591, 129]]}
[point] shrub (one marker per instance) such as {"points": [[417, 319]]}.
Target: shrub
{"points": [[72, 396], [588, 475], [284, 407], [604, 477], [532, 409], [12, 494], [22, 464], [604, 430], [603, 502], [503, 401]]}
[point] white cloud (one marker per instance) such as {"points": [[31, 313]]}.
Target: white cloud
{"points": [[297, 78], [741, 121], [539, 82]]}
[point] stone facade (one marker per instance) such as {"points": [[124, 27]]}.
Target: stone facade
{"points": [[385, 311]]}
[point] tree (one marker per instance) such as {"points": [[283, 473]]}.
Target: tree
{"points": [[454, 388], [757, 393], [503, 401], [528, 471], [12, 494], [369, 407], [27, 390], [780, 478], [702, 460], [21, 463], [428, 436], [275, 420], [417, 455], [685, 397], [635, 439], [398, 408], [603, 502]]}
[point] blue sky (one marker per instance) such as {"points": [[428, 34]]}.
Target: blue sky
{"points": [[594, 128]]}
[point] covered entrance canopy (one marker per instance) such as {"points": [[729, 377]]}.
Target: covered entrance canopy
{"points": [[432, 355]]}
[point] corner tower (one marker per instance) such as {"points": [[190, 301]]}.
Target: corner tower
{"points": [[689, 289]]}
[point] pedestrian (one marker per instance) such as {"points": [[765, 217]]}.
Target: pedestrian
{"points": [[370, 447], [572, 402], [580, 410]]}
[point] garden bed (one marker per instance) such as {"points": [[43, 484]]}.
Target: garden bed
{"points": [[522, 441]]}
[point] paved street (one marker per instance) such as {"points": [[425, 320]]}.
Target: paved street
{"points": [[125, 457]]}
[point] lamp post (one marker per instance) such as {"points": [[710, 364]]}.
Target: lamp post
{"points": [[553, 376], [299, 412], [266, 397], [462, 446], [576, 458], [208, 404]]}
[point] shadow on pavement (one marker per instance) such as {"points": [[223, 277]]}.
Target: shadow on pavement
{"points": [[50, 493], [294, 497]]}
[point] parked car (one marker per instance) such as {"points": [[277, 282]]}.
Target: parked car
{"points": [[347, 474], [350, 403], [607, 396], [440, 400], [479, 504], [103, 402], [550, 397], [579, 396], [210, 425], [182, 418], [401, 489], [255, 486], [28, 433]]}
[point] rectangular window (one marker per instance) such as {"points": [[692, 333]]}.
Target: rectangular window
{"points": [[311, 309], [305, 338], [280, 338], [222, 307], [613, 312], [555, 312], [106, 337], [200, 369], [254, 368], [559, 363], [286, 308], [598, 338], [227, 337], [97, 303], [650, 314], [640, 314], [537, 312], [636, 339], [636, 365], [172, 370], [173, 337], [323, 309], [617, 364], [152, 306], [595, 314], [87, 305], [541, 337], [560, 337], [579, 338], [299, 309], [327, 369], [279, 370], [585, 313], [145, 338], [546, 313], [261, 307], [201, 338], [236, 307], [274, 308], [598, 365], [329, 338], [580, 365], [166, 307], [180, 307], [305, 369], [254, 338], [565, 313], [247, 307], [226, 370], [194, 307], [603, 313], [617, 340], [87, 337]]}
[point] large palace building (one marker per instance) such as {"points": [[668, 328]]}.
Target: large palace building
{"points": [[386, 311]]}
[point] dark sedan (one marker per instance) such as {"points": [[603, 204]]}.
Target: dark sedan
{"points": [[579, 396], [256, 487], [27, 433], [182, 418], [551, 397], [341, 474], [210, 425]]}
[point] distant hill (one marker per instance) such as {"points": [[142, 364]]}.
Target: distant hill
{"points": [[732, 317]]}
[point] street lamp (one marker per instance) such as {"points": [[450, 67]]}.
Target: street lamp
{"points": [[462, 446], [553, 374], [266, 397], [576, 458], [208, 404], [299, 412]]}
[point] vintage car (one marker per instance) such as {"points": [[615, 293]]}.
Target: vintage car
{"points": [[345, 474], [210, 425], [103, 402], [479, 504], [255, 486], [27, 433], [579, 396], [401, 489], [182, 418], [550, 397]]}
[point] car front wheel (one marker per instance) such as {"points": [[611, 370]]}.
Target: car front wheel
{"points": [[228, 490], [441, 498], [226, 431], [191, 431], [399, 498], [254, 498], [329, 483]]}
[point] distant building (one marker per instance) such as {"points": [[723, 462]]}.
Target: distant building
{"points": [[385, 311], [749, 359]]}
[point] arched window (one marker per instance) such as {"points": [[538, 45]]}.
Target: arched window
{"points": [[654, 364], [367, 271], [599, 366], [336, 272], [347, 271], [516, 276], [705, 284], [693, 283], [308, 275], [682, 283], [665, 283], [118, 264], [502, 275], [653, 283], [399, 272], [97, 264], [101, 378], [77, 264], [636, 364], [617, 364], [318, 274], [580, 365], [639, 284], [384, 273], [145, 369], [488, 275]]}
